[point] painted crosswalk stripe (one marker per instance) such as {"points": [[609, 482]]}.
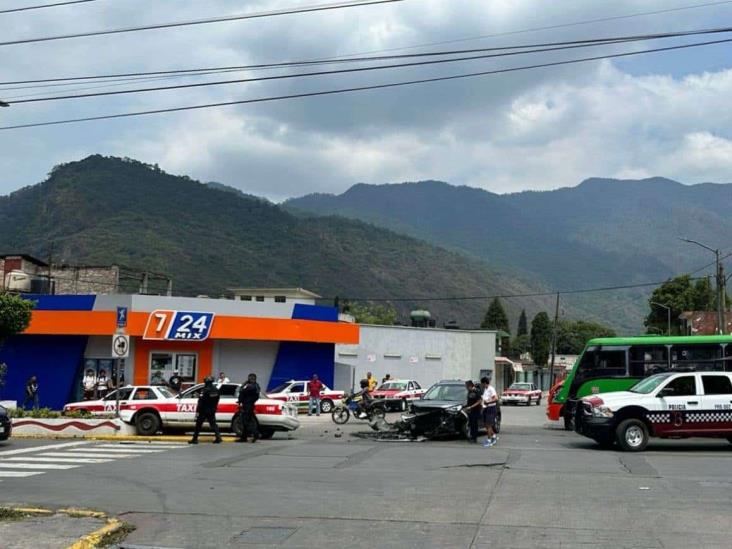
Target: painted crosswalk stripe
{"points": [[6, 465], [56, 460], [19, 474], [86, 455], [113, 451], [142, 446], [45, 447]]}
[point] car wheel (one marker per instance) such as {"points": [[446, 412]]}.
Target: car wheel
{"points": [[236, 425], [378, 412], [147, 423], [538, 401], [497, 424], [266, 433], [403, 407], [326, 406], [632, 435]]}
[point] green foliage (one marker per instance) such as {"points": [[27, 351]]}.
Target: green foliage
{"points": [[373, 314], [495, 317], [523, 324], [15, 314], [681, 294], [573, 335], [541, 338], [47, 413]]}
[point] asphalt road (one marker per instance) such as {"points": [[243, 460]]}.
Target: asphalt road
{"points": [[539, 487]]}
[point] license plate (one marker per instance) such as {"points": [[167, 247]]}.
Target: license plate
{"points": [[2, 429]]}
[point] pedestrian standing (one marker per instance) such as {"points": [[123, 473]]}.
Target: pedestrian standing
{"points": [[221, 380], [208, 402], [89, 384], [31, 393], [490, 407], [315, 389], [387, 377], [248, 395], [102, 384], [175, 382], [473, 407], [372, 381]]}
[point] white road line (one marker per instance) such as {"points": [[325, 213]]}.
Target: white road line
{"points": [[6, 465], [16, 474], [87, 455], [142, 446], [57, 460], [41, 448], [112, 451]]}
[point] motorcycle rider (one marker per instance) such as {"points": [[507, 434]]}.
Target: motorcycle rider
{"points": [[248, 395], [365, 400], [206, 410]]}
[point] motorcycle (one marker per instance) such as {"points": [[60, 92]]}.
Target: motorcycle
{"points": [[350, 405]]}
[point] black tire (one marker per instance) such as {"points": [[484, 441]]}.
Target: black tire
{"points": [[266, 433], [326, 406], [497, 424], [377, 413], [632, 435], [147, 423], [236, 426], [403, 406], [538, 401], [340, 415]]}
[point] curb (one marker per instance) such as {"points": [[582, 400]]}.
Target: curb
{"points": [[89, 541]]}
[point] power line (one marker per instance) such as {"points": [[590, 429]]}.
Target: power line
{"points": [[240, 17], [41, 6], [298, 63], [360, 88]]}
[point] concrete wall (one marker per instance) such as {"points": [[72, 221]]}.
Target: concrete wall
{"points": [[237, 359], [85, 280], [424, 354]]}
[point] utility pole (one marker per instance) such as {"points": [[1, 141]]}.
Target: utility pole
{"points": [[721, 305], [554, 342], [668, 315]]}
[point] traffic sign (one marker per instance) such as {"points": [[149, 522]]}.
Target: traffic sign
{"points": [[121, 317], [120, 346]]}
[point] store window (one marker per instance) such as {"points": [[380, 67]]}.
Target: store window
{"points": [[260, 298], [280, 299], [163, 365]]}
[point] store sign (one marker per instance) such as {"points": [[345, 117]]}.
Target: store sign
{"points": [[178, 325]]}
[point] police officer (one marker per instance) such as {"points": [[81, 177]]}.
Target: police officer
{"points": [[473, 407], [248, 395], [206, 410]]}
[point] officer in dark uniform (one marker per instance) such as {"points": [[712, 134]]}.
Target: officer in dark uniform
{"points": [[473, 407], [206, 410], [248, 395]]}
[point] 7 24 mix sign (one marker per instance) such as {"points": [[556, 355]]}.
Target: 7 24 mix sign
{"points": [[178, 325]]}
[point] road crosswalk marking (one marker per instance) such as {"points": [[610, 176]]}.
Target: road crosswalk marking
{"points": [[30, 462]]}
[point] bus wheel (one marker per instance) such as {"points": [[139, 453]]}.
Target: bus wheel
{"points": [[632, 435]]}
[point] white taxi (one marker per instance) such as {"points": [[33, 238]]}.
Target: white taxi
{"points": [[667, 405], [108, 404]]}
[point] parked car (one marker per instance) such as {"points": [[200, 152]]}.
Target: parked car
{"points": [[398, 393], [6, 426], [667, 405], [439, 412], [523, 393], [108, 404], [179, 412], [295, 392]]}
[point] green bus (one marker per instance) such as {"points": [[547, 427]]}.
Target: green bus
{"points": [[617, 363]]}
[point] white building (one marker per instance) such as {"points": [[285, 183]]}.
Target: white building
{"points": [[426, 355]]}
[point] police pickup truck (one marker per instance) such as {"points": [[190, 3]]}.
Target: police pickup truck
{"points": [[667, 405]]}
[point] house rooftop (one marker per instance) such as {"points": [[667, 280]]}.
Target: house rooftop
{"points": [[271, 292]]}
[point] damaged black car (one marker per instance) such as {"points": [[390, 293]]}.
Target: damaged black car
{"points": [[439, 413]]}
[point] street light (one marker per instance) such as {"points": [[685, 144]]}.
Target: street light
{"points": [[668, 313], [721, 297]]}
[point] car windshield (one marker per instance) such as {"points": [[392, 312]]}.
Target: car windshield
{"points": [[394, 386], [167, 394], [520, 386], [451, 392], [280, 388], [647, 385]]}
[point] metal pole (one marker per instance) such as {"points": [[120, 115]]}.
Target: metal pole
{"points": [[668, 315], [720, 298], [116, 385], [554, 343]]}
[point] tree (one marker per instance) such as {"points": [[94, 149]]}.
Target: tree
{"points": [[384, 315], [15, 314], [523, 324], [572, 336], [495, 317], [541, 338], [681, 294], [520, 345]]}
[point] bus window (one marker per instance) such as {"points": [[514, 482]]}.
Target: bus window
{"points": [[696, 358], [602, 362], [646, 360]]}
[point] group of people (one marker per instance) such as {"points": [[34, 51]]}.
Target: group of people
{"points": [[96, 385], [482, 400], [208, 402]]}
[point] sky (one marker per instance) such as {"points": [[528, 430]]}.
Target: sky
{"points": [[663, 114]]}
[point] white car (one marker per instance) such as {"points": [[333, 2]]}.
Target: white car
{"points": [[180, 412], [295, 392], [108, 404], [667, 405]]}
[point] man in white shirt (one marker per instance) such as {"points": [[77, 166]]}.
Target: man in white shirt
{"points": [[490, 405], [221, 380]]}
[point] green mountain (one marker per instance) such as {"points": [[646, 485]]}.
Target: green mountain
{"points": [[603, 232], [109, 210]]}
